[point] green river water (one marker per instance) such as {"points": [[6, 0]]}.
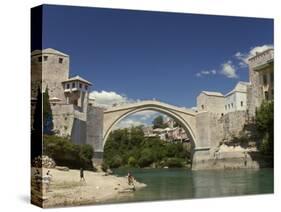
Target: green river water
{"points": [[169, 184]]}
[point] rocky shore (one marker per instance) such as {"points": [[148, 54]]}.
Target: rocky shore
{"points": [[66, 189]]}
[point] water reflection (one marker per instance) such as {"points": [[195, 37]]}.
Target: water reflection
{"points": [[168, 184]]}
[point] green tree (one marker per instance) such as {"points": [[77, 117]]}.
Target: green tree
{"points": [[129, 147], [37, 117], [265, 127], [132, 162], [47, 114], [66, 153], [158, 122]]}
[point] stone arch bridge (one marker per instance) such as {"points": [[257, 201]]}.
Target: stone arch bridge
{"points": [[189, 120]]}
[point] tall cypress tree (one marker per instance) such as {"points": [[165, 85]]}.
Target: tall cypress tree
{"points": [[47, 114], [37, 118], [36, 133]]}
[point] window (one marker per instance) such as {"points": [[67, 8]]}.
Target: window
{"points": [[60, 60], [266, 95], [67, 86], [264, 79], [86, 87], [232, 105], [202, 107], [226, 107], [80, 85], [271, 78], [45, 58], [40, 59], [73, 85], [241, 103]]}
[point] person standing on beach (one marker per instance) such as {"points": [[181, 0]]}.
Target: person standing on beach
{"points": [[82, 175]]}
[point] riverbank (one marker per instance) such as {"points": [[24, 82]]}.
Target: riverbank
{"points": [[66, 189]]}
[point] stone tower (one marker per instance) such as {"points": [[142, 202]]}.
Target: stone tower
{"points": [[51, 67], [261, 79]]}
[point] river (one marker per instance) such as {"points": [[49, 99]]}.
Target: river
{"points": [[168, 184]]}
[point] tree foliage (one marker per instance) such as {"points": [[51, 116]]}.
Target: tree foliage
{"points": [[265, 126], [47, 114], [66, 153], [158, 122], [129, 147]]}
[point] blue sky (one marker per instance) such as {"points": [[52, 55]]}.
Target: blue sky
{"points": [[145, 55]]}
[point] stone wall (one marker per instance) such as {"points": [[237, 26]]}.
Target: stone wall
{"points": [[211, 103], [232, 124], [212, 131], [63, 118], [95, 129]]}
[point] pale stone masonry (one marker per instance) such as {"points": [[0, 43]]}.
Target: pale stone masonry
{"points": [[211, 101], [68, 96], [261, 75]]}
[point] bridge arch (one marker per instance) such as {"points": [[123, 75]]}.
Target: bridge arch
{"points": [[184, 117]]}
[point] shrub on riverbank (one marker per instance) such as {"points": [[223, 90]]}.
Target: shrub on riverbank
{"points": [[174, 162], [65, 153]]}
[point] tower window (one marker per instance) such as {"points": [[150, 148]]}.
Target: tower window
{"points": [[226, 107], [202, 106], [40, 59], [73, 85], [80, 85], [86, 87], [67, 86], [45, 58], [241, 103], [264, 79], [271, 78], [266, 95], [232, 105], [60, 60]]}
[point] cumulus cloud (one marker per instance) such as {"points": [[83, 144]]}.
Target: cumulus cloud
{"points": [[244, 56], [206, 72], [146, 114], [128, 123], [228, 70], [108, 98]]}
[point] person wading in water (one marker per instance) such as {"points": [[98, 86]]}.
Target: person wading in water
{"points": [[131, 180]]}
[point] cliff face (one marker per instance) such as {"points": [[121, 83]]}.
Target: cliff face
{"points": [[232, 139]]}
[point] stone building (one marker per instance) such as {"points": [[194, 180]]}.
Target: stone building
{"points": [[68, 96], [236, 100], [261, 68], [211, 101]]}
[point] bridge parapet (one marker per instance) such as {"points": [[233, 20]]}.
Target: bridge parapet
{"points": [[152, 103]]}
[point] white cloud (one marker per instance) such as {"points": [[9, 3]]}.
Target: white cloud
{"points": [[127, 123], [229, 70], [243, 57], [206, 72], [198, 74], [146, 114], [108, 98], [213, 71]]}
